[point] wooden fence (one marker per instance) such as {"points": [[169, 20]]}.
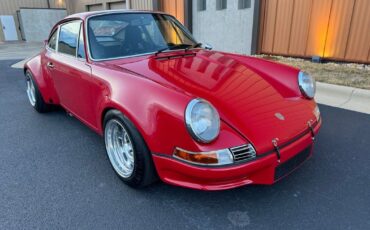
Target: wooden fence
{"points": [[332, 29], [173, 7]]}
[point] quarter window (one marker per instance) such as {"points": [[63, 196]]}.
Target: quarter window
{"points": [[68, 35], [52, 43], [81, 46]]}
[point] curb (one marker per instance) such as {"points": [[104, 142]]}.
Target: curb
{"points": [[343, 97], [19, 65]]}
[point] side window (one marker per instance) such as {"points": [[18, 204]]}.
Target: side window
{"points": [[68, 35], [52, 43], [81, 45]]}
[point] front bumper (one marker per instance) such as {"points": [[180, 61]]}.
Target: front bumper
{"points": [[264, 169]]}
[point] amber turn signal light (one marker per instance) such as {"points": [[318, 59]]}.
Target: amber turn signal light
{"points": [[219, 157]]}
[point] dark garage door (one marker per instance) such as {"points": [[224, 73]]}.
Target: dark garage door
{"points": [[95, 7], [117, 5]]}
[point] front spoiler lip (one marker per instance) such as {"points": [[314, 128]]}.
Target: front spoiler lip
{"points": [[181, 174]]}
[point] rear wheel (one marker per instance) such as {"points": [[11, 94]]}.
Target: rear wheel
{"points": [[127, 151], [34, 95]]}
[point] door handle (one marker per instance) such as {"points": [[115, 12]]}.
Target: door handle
{"points": [[50, 65]]}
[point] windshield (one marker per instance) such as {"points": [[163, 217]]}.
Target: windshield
{"points": [[126, 34]]}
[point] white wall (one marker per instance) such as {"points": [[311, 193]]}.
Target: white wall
{"points": [[228, 30], [37, 23]]}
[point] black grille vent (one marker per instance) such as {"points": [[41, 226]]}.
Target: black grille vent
{"points": [[243, 153]]}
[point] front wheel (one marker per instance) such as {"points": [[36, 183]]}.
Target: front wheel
{"points": [[127, 151], [34, 95]]}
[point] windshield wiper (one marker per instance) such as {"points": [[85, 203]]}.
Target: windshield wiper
{"points": [[173, 47], [196, 45], [161, 50]]}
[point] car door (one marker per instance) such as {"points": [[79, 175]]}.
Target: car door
{"points": [[70, 72]]}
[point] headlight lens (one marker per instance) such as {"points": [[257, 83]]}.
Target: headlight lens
{"points": [[202, 120], [307, 84]]}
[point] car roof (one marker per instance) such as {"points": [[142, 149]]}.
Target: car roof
{"points": [[85, 15]]}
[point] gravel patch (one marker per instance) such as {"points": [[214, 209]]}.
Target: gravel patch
{"points": [[347, 74]]}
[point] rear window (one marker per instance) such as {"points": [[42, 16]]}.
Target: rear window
{"points": [[106, 28], [68, 37]]}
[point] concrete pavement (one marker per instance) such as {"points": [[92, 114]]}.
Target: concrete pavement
{"points": [[19, 50], [20, 64]]}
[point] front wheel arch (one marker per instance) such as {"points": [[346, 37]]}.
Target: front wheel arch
{"points": [[145, 172], [119, 111]]}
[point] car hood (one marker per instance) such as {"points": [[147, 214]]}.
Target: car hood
{"points": [[246, 95]]}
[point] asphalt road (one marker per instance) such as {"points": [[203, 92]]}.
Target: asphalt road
{"points": [[54, 174]]}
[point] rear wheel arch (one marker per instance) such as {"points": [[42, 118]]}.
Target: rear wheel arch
{"points": [[40, 84], [34, 67], [34, 95], [35, 78]]}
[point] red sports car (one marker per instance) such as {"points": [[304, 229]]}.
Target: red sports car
{"points": [[169, 107]]}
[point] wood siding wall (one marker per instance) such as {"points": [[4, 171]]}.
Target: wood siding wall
{"points": [[333, 29], [174, 7]]}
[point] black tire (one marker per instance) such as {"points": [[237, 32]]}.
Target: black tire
{"points": [[144, 172], [40, 105]]}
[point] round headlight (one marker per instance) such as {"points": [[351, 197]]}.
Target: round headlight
{"points": [[307, 84], [202, 120]]}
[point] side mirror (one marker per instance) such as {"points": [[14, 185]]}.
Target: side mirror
{"points": [[208, 46], [45, 42]]}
